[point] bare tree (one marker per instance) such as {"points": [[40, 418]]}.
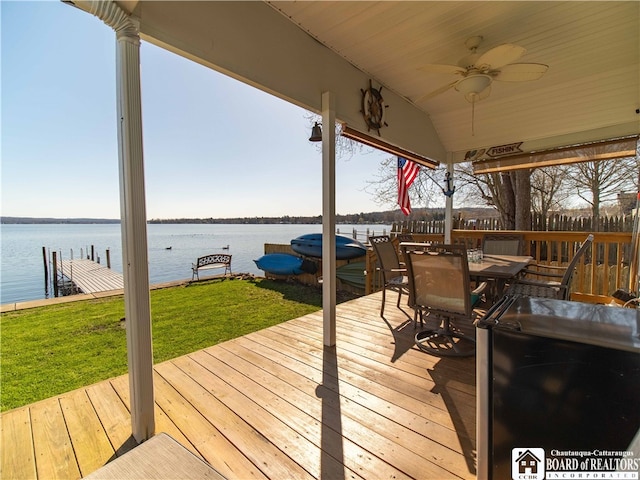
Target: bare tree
{"points": [[508, 192], [600, 181], [522, 198], [515, 194], [424, 191], [549, 190]]}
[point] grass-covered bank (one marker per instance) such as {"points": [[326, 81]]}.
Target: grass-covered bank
{"points": [[50, 350]]}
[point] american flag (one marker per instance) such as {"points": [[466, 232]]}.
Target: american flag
{"points": [[407, 173]]}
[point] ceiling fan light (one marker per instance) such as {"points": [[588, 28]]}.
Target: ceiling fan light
{"points": [[473, 84], [472, 97]]}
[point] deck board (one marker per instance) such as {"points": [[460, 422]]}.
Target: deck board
{"points": [[90, 442], [276, 404], [284, 453], [193, 412], [114, 415], [18, 461], [376, 427], [350, 393], [306, 425], [163, 422], [279, 397], [418, 387], [54, 453]]}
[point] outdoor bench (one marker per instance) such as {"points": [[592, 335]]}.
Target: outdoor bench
{"points": [[217, 260]]}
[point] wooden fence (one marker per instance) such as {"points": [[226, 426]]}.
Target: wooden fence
{"points": [[604, 269], [564, 223], [556, 222], [361, 235]]}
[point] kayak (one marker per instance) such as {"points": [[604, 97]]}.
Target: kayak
{"points": [[352, 274], [310, 245], [285, 264]]}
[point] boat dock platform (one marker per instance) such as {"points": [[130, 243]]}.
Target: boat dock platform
{"points": [[89, 276]]}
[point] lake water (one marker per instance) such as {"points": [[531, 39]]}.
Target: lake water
{"points": [[22, 264]]}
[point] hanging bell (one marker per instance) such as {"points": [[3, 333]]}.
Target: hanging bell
{"points": [[316, 133]]}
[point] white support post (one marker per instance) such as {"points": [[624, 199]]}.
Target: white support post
{"points": [[328, 219], [448, 210], [134, 239], [133, 214]]}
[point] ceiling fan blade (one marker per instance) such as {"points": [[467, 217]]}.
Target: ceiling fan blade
{"points": [[448, 69], [521, 72], [440, 90], [500, 55]]}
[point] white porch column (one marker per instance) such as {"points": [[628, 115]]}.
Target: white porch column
{"points": [[134, 237], [133, 214], [448, 210], [328, 219]]}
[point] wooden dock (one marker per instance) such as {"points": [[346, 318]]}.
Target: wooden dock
{"points": [[89, 276]]}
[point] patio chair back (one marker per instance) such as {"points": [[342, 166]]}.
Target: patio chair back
{"points": [[404, 237], [387, 255], [559, 289], [566, 278], [502, 244], [438, 278], [394, 276]]}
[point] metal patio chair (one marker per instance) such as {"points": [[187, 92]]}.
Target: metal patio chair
{"points": [[394, 274], [502, 244], [440, 287], [559, 278]]}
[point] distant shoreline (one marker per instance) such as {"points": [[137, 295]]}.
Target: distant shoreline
{"points": [[372, 218], [57, 221]]}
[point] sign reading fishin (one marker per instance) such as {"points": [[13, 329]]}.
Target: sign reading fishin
{"points": [[502, 150]]}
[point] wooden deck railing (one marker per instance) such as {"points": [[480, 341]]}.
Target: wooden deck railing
{"points": [[604, 269]]}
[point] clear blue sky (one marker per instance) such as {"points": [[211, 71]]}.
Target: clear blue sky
{"points": [[213, 146]]}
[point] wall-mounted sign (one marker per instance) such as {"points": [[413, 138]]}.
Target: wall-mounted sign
{"points": [[493, 152], [504, 150]]}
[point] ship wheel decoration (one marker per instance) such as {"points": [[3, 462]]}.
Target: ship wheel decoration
{"points": [[373, 108]]}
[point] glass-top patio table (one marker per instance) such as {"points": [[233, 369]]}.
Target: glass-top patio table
{"points": [[499, 268]]}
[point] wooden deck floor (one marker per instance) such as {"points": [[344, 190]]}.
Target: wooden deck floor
{"points": [[276, 404]]}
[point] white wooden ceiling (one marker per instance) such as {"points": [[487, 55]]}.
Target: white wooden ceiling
{"points": [[298, 49], [592, 49]]}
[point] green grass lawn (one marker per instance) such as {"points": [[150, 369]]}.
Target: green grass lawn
{"points": [[50, 350]]}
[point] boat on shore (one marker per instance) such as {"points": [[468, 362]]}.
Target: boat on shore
{"points": [[285, 264], [310, 245]]}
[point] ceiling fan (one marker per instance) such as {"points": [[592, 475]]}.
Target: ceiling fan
{"points": [[479, 70]]}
